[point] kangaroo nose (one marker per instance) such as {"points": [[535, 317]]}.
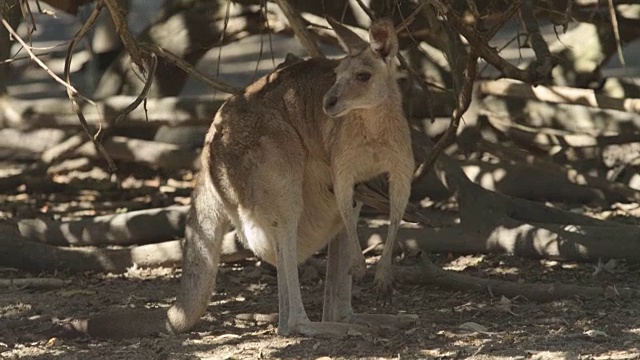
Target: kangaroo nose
{"points": [[330, 101]]}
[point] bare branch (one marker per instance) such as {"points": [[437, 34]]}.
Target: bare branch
{"points": [[145, 90], [464, 100], [189, 69], [72, 96], [33, 57], [616, 30], [123, 31], [297, 24], [544, 63]]}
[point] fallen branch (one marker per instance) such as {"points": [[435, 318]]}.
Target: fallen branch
{"points": [[511, 236], [18, 252], [34, 283], [429, 274], [612, 191], [34, 141], [521, 181], [135, 227], [52, 112], [557, 95], [154, 153]]}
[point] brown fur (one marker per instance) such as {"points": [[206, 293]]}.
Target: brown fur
{"points": [[279, 163]]}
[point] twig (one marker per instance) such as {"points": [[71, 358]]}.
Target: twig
{"points": [[72, 97], [504, 17], [540, 47], [364, 8], [482, 47], [410, 19], [26, 9], [189, 69], [145, 90], [123, 31], [464, 100], [33, 57], [297, 24], [265, 15], [616, 31]]}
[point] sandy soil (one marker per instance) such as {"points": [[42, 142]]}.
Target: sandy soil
{"points": [[452, 325]]}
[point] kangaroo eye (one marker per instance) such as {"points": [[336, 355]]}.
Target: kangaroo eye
{"points": [[363, 76]]}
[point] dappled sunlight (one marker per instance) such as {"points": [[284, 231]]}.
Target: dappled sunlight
{"points": [[535, 257]]}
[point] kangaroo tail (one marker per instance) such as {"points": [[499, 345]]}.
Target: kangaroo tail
{"points": [[205, 228]]}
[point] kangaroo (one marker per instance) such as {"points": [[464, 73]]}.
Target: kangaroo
{"points": [[279, 163]]}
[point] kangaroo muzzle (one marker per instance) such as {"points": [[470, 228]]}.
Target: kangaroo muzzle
{"points": [[329, 103]]}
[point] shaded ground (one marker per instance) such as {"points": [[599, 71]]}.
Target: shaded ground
{"points": [[499, 328], [239, 322]]}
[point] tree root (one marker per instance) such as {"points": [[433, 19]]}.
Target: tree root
{"points": [[132, 228], [428, 274]]}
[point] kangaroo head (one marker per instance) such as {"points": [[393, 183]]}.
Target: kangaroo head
{"points": [[365, 78]]}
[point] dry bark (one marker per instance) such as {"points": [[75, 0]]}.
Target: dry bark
{"points": [[156, 154], [35, 141], [132, 228], [528, 240], [56, 112], [429, 275], [188, 29], [558, 95], [499, 222], [34, 283], [18, 252]]}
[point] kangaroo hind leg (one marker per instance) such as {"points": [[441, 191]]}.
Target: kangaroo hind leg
{"points": [[270, 228], [337, 292]]}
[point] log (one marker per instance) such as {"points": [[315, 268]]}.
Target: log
{"points": [[428, 274], [522, 181], [34, 141], [19, 252], [57, 112], [34, 283], [512, 179], [135, 227], [519, 238], [611, 191], [156, 154], [557, 95]]}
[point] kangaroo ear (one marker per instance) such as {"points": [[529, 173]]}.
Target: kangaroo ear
{"points": [[349, 40], [383, 39]]}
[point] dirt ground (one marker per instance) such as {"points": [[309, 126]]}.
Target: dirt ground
{"points": [[239, 322]]}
